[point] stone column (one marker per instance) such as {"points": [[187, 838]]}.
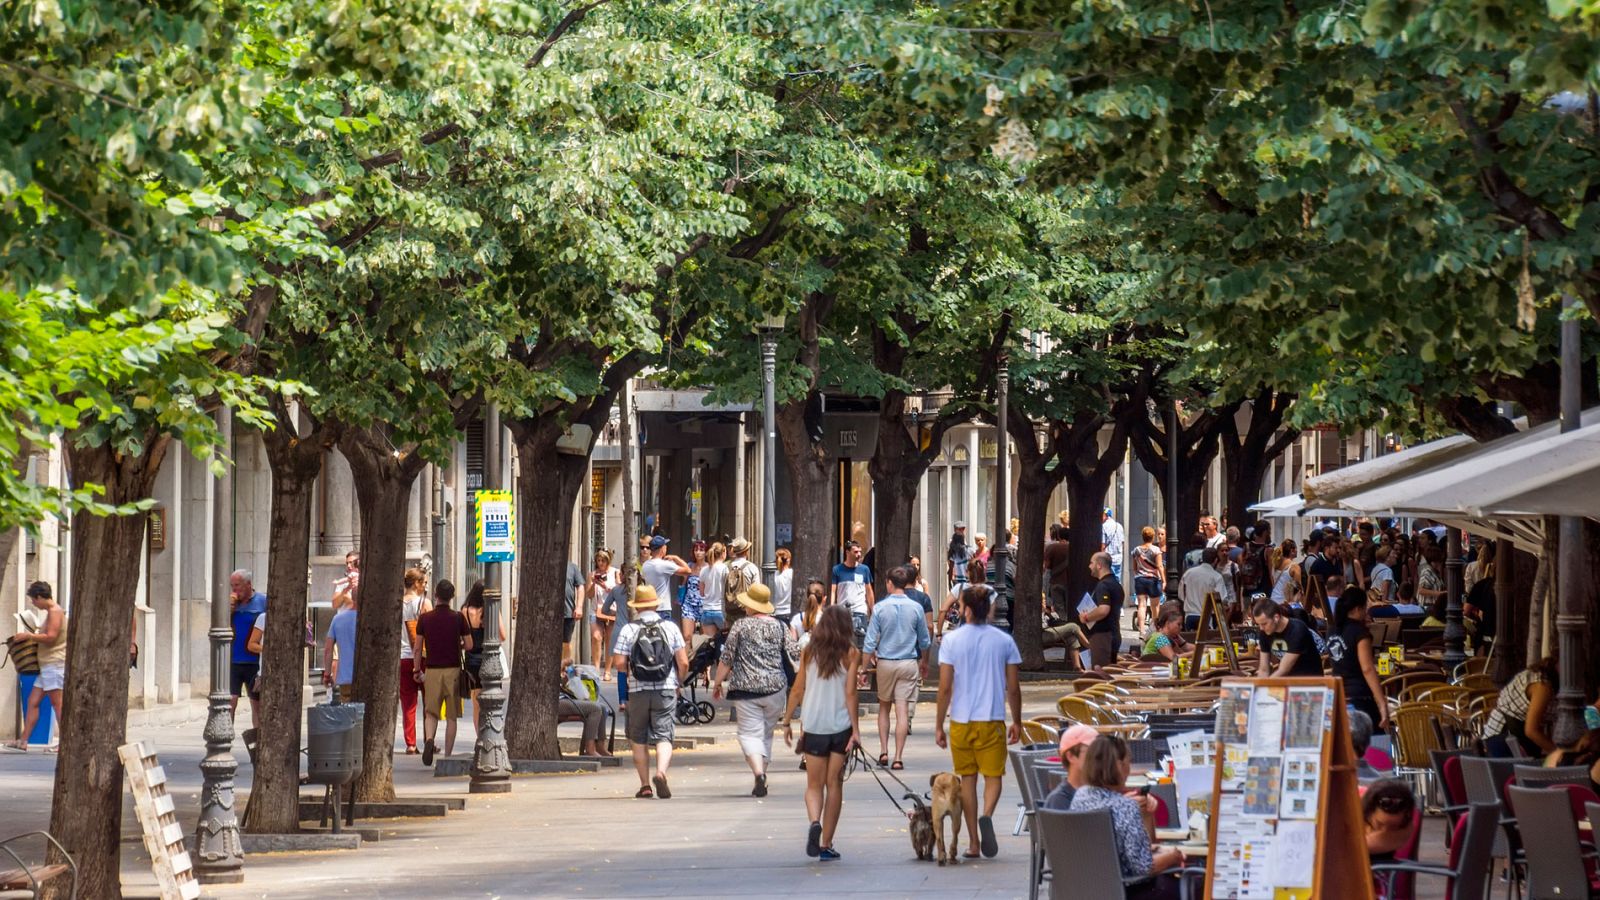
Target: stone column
{"points": [[339, 525]]}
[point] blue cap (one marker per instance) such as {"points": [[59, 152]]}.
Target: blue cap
{"points": [[1108, 510], [657, 542]]}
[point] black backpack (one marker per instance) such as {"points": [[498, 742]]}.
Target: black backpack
{"points": [[651, 658]]}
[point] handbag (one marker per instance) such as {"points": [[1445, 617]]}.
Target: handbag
{"points": [[23, 654]]}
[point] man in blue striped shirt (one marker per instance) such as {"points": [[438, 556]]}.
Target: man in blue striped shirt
{"points": [[897, 636]]}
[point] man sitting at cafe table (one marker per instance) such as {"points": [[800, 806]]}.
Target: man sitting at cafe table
{"points": [[1287, 647]]}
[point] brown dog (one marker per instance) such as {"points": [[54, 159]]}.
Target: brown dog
{"points": [[946, 804]]}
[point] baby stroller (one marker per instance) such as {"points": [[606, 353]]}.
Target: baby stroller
{"points": [[692, 709]]}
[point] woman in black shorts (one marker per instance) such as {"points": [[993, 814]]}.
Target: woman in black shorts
{"points": [[825, 691]]}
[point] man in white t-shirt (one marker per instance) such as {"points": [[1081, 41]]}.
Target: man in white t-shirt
{"points": [[1383, 576], [978, 679], [658, 572]]}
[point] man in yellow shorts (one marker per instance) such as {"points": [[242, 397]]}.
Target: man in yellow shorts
{"points": [[978, 666], [442, 635]]}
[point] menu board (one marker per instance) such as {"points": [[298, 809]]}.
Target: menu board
{"points": [[1271, 735]]}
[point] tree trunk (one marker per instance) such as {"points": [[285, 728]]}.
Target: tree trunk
{"points": [[1034, 486], [811, 473], [1086, 497], [1245, 457], [548, 483], [383, 481], [274, 806], [1513, 591], [86, 814], [1543, 593], [1198, 444]]}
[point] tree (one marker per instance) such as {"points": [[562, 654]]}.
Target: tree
{"points": [[295, 446]]}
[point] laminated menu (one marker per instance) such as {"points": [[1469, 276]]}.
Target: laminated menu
{"points": [[1286, 820]]}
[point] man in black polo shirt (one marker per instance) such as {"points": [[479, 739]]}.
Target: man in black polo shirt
{"points": [[1287, 647], [1103, 622]]}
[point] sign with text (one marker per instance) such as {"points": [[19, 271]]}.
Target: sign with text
{"points": [[494, 526]]}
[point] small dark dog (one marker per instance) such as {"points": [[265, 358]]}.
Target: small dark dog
{"points": [[921, 827], [946, 804]]}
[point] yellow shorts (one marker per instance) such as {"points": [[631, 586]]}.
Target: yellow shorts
{"points": [[978, 748]]}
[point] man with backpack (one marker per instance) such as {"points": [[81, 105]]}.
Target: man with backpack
{"points": [[653, 655]]}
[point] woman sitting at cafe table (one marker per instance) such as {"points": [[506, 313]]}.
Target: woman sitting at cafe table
{"points": [[1163, 641], [1105, 770], [1287, 646]]}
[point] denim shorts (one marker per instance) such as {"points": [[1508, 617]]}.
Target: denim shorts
{"points": [[1144, 585], [708, 617]]}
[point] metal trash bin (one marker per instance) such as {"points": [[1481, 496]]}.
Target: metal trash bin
{"points": [[334, 736]]}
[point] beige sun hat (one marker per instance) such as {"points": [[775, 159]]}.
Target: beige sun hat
{"points": [[644, 597], [757, 599]]}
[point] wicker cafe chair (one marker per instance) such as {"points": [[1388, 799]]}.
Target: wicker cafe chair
{"points": [[1478, 681], [1414, 737], [1081, 710], [1411, 691], [1448, 694], [1037, 732]]}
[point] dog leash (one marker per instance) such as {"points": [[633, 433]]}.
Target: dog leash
{"points": [[859, 759]]}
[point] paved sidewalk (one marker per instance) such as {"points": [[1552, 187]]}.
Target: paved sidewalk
{"points": [[585, 835]]}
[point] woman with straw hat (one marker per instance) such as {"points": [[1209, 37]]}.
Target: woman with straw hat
{"points": [[754, 653]]}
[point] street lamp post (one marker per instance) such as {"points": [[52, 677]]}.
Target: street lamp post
{"points": [[771, 327], [1171, 549], [491, 761], [1002, 481], [1572, 627], [219, 852]]}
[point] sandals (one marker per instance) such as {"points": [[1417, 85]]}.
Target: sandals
{"points": [[897, 766], [644, 793], [883, 760]]}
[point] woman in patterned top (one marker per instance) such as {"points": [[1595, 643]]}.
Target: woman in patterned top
{"points": [[1105, 773], [1526, 703], [754, 653]]}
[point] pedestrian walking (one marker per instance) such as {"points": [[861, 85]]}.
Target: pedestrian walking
{"points": [[601, 580], [442, 635], [1113, 539], [1149, 580], [411, 607], [754, 655], [956, 556], [658, 570], [713, 590], [245, 603], [1103, 620], [611, 611], [783, 586], [978, 679], [742, 573], [852, 587], [896, 638], [50, 637], [340, 671], [472, 609], [692, 601], [805, 620], [652, 652], [825, 691], [572, 594]]}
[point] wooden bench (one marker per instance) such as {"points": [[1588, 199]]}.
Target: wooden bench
{"points": [[33, 878]]}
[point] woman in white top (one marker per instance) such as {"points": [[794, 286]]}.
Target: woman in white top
{"points": [[411, 606], [1284, 571], [825, 691], [783, 586], [601, 581], [801, 623], [713, 588]]}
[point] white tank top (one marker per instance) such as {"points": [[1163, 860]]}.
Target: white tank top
{"points": [[1280, 585], [822, 709]]}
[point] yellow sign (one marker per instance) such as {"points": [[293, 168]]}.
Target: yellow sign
{"points": [[494, 526]]}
